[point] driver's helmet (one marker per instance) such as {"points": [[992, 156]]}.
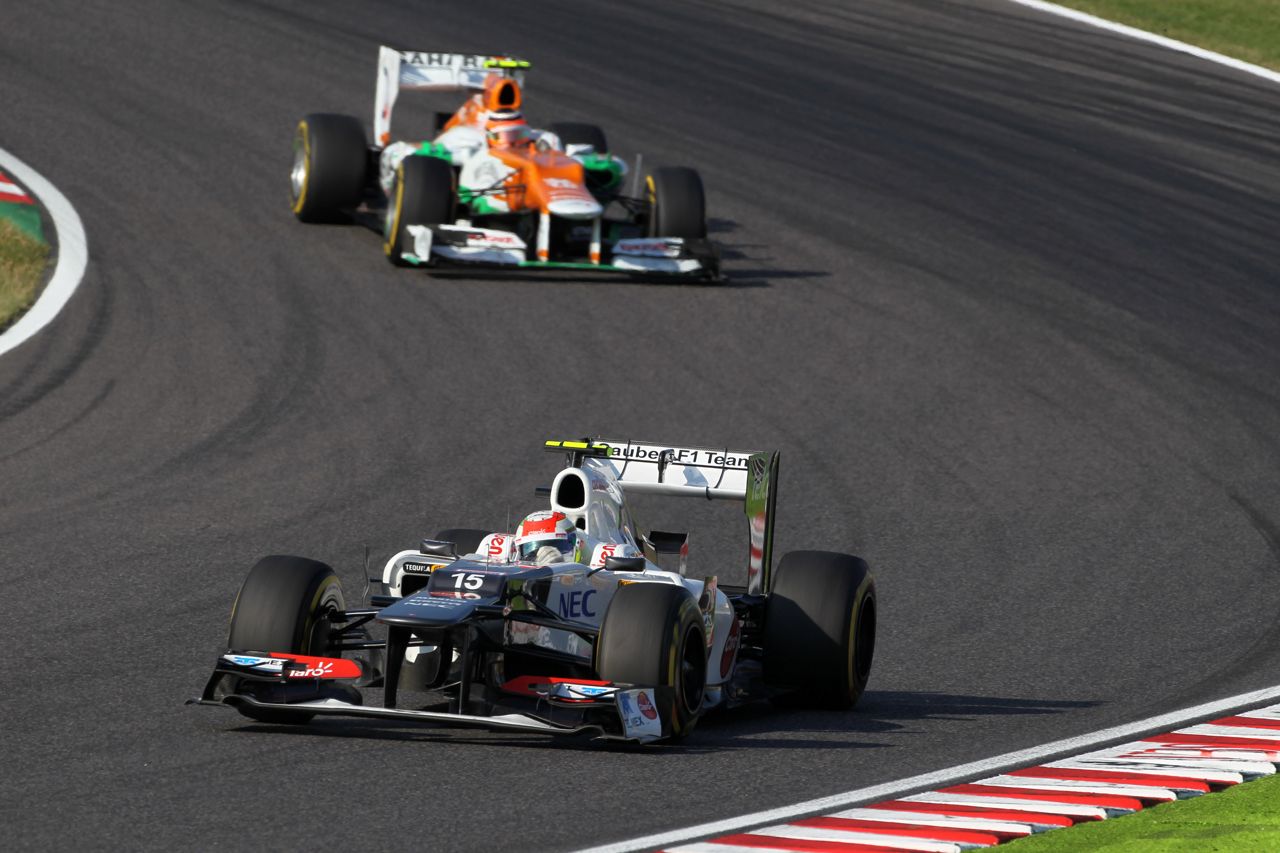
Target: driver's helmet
{"points": [[506, 129], [546, 537]]}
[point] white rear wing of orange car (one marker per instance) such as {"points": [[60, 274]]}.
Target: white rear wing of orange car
{"points": [[702, 472], [433, 71]]}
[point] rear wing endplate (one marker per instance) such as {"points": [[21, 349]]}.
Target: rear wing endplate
{"points": [[703, 472], [432, 71]]}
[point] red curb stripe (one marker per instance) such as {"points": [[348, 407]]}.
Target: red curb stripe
{"points": [[993, 812], [1217, 741], [1104, 801], [774, 842], [1118, 776], [959, 836], [11, 192], [1247, 722]]}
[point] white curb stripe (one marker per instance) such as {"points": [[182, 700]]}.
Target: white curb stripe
{"points": [[873, 839], [73, 253], [1025, 783], [941, 821], [1143, 35], [1015, 803], [948, 776]]}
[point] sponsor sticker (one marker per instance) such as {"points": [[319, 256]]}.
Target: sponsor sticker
{"points": [[650, 247], [639, 716], [259, 663], [565, 690], [431, 601], [578, 604], [730, 649]]}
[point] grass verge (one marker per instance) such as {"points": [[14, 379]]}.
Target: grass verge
{"points": [[1245, 817], [1244, 29], [22, 261]]}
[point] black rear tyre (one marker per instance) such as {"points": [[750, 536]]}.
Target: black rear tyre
{"points": [[424, 194], [820, 628], [580, 133], [652, 636], [466, 539], [677, 204], [284, 606], [329, 162]]}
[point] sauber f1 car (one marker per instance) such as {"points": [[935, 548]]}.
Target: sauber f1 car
{"points": [[577, 622], [488, 189]]}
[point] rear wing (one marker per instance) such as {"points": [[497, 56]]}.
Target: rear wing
{"points": [[702, 472], [431, 71]]}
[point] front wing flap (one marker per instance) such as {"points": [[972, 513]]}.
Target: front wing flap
{"points": [[454, 245]]}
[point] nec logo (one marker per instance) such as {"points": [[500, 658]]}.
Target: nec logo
{"points": [[578, 604]]}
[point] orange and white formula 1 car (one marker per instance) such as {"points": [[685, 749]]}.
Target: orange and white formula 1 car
{"points": [[490, 190]]}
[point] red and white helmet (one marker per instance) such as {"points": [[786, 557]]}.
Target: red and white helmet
{"points": [[546, 537], [507, 130]]}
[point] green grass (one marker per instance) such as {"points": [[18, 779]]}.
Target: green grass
{"points": [[1245, 29], [22, 260], [1239, 819]]}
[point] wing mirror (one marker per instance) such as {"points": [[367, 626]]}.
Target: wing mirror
{"points": [[437, 548], [624, 564]]}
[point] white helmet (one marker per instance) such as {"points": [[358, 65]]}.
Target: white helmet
{"points": [[546, 537]]}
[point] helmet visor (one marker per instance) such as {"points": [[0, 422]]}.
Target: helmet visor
{"points": [[564, 544], [513, 134]]}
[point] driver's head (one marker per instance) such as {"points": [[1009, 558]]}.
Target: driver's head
{"points": [[546, 537], [504, 131]]}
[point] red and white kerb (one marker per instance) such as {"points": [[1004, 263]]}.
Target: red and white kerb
{"points": [[1093, 786], [12, 193]]}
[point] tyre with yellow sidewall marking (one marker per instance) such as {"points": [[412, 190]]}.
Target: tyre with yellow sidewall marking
{"points": [[652, 636], [820, 628], [424, 194], [284, 606], [330, 161], [677, 203]]}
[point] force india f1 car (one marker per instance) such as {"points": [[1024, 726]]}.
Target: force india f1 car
{"points": [[606, 642], [489, 190]]}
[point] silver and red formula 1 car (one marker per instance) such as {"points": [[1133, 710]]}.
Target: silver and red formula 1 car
{"points": [[489, 190], [598, 638]]}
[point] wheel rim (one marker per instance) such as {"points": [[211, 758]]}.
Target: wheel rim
{"points": [[298, 174], [651, 194]]}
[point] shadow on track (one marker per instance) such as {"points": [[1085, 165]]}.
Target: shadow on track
{"points": [[754, 726]]}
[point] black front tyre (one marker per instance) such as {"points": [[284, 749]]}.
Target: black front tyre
{"points": [[820, 628], [677, 204], [329, 163], [284, 606], [424, 194], [652, 636]]}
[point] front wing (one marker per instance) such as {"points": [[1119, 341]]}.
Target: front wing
{"points": [[459, 245], [634, 708]]}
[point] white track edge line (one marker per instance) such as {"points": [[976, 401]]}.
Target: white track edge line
{"points": [[1144, 35], [72, 248], [941, 778]]}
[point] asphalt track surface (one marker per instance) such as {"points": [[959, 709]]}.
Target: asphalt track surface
{"points": [[1004, 294]]}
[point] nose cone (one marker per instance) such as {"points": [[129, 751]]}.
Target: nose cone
{"points": [[576, 207]]}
